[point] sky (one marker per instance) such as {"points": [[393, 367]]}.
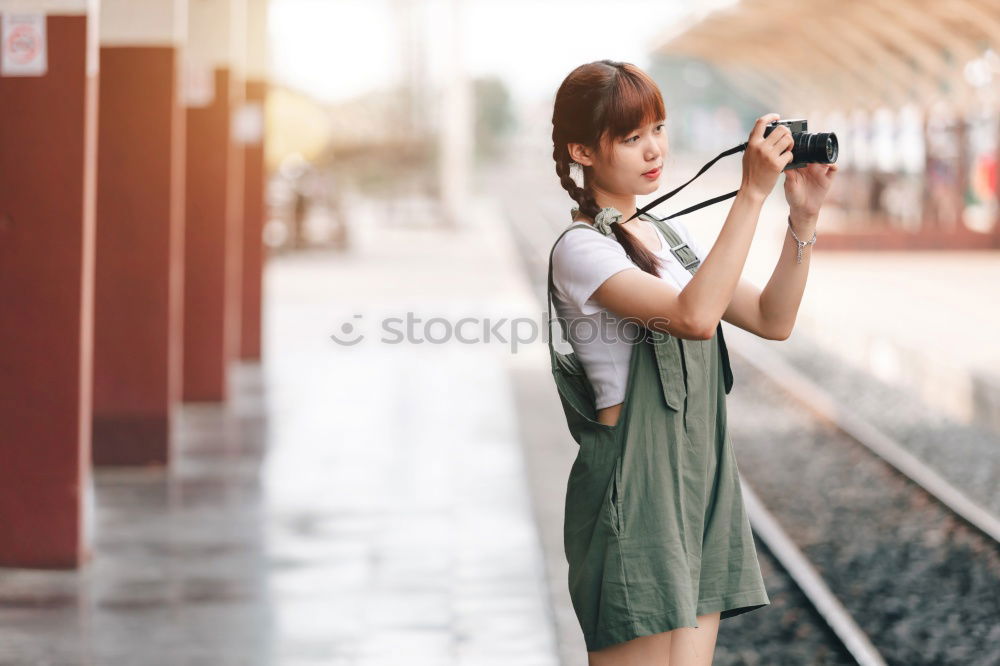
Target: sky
{"points": [[339, 49]]}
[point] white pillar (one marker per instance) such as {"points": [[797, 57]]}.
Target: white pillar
{"points": [[455, 127]]}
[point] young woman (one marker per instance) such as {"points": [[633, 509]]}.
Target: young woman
{"points": [[657, 539]]}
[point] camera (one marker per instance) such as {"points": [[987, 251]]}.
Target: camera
{"points": [[820, 147]]}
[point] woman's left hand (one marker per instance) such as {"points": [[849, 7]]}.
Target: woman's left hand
{"points": [[806, 188]]}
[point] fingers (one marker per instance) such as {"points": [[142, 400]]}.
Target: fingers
{"points": [[788, 144], [778, 162], [781, 137], [758, 129], [784, 159], [780, 149], [823, 169]]}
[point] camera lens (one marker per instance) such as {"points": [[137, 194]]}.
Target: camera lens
{"points": [[820, 147], [831, 148]]}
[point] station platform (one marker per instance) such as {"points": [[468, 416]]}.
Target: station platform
{"points": [[399, 496], [351, 504], [923, 320], [927, 321]]}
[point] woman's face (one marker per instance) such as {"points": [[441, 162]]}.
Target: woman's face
{"points": [[634, 163]]}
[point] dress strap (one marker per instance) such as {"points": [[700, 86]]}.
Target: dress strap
{"points": [[689, 260], [552, 351], [678, 246]]}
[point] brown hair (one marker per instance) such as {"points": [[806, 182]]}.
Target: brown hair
{"points": [[596, 104]]}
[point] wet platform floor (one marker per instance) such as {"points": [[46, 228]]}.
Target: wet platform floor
{"points": [[348, 505]]}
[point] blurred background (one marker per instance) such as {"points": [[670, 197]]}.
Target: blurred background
{"points": [[274, 385]]}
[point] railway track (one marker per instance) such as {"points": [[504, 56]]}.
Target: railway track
{"points": [[898, 563]]}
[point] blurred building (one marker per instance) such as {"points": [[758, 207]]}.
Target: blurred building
{"points": [[910, 88]]}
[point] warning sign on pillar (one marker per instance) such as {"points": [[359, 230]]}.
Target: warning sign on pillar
{"points": [[23, 47]]}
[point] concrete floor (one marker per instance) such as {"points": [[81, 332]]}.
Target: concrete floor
{"points": [[361, 504]]}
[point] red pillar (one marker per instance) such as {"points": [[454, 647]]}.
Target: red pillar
{"points": [[212, 242], [48, 142], [140, 199], [254, 212]]}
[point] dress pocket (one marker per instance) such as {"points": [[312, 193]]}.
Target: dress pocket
{"points": [[590, 482], [668, 361]]}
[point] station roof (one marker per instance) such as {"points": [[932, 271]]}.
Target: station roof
{"points": [[850, 53]]}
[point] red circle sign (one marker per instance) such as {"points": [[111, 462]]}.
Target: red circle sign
{"points": [[22, 44]]}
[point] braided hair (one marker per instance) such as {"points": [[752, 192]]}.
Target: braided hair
{"points": [[596, 102]]}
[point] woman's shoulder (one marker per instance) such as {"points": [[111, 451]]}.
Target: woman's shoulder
{"points": [[586, 257], [581, 238]]}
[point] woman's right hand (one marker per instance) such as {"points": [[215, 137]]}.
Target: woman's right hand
{"points": [[763, 158]]}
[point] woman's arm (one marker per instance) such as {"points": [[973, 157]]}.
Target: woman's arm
{"points": [[693, 312], [771, 313]]}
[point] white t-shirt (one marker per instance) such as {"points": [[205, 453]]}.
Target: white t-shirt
{"points": [[581, 261]]}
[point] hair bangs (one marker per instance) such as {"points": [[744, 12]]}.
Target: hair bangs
{"points": [[635, 101]]}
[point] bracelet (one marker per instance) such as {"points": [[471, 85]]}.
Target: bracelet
{"points": [[801, 244]]}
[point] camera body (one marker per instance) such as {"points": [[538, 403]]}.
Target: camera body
{"points": [[820, 147]]}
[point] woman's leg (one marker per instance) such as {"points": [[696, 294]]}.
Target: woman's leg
{"points": [[695, 646], [653, 650], [685, 646]]}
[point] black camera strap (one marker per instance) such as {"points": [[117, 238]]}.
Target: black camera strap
{"points": [[737, 149]]}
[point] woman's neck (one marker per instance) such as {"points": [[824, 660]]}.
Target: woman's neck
{"points": [[623, 203]]}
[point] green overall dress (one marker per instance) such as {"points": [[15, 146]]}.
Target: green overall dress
{"points": [[655, 529]]}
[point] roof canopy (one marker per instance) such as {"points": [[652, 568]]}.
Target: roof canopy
{"points": [[851, 53]]}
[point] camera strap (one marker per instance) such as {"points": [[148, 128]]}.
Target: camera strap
{"points": [[736, 149]]}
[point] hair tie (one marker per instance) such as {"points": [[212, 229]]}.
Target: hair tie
{"points": [[606, 218]]}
